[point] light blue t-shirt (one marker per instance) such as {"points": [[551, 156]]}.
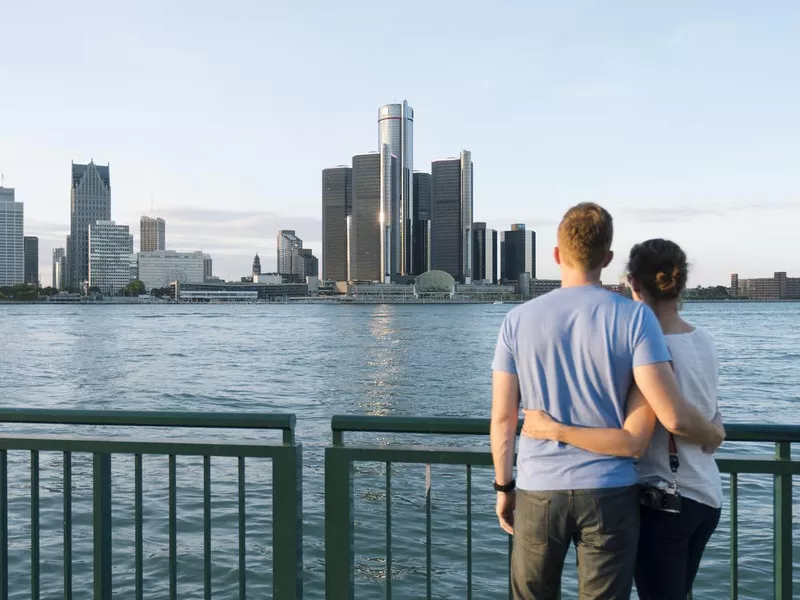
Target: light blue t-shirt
{"points": [[574, 351]]}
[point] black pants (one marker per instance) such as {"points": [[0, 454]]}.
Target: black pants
{"points": [[604, 526], [670, 548]]}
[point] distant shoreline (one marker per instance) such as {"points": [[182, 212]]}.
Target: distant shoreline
{"points": [[340, 301]]}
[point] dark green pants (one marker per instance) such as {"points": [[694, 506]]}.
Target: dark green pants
{"points": [[604, 526]]}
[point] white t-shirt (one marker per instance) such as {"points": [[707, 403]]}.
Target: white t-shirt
{"points": [[694, 357]]}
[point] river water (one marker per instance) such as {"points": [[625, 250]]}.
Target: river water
{"points": [[317, 361]]}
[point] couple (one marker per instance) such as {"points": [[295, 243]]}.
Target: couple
{"points": [[604, 381]]}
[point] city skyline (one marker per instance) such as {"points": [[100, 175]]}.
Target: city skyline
{"points": [[645, 114]]}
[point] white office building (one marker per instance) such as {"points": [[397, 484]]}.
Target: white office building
{"points": [[110, 249], [159, 269], [12, 245]]}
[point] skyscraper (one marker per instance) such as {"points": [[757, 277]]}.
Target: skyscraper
{"points": [[208, 267], [288, 242], [110, 249], [12, 248], [31, 245], [152, 234], [451, 215], [365, 232], [396, 130], [90, 202], [517, 253], [337, 204], [484, 253], [422, 227], [59, 265]]}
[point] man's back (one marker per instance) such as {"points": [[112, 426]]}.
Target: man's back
{"points": [[573, 351]]}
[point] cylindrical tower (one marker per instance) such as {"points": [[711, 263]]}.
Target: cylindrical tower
{"points": [[396, 130]]}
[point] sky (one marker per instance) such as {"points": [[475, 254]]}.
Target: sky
{"points": [[682, 118]]}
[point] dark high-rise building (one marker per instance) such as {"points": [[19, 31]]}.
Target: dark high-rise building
{"points": [[337, 205], [451, 216], [517, 253], [31, 245], [208, 267], [484, 253], [305, 264], [422, 219], [365, 229], [256, 265], [90, 201]]}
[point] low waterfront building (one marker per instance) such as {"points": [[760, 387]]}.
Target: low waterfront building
{"points": [[539, 287], [263, 290], [777, 287], [383, 292], [110, 249], [159, 268], [219, 295]]}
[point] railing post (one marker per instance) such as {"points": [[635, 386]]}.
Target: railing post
{"points": [[102, 526], [339, 525], [287, 518], [783, 527]]}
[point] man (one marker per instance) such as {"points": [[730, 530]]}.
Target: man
{"points": [[575, 353]]}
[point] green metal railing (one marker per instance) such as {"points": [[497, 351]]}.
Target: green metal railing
{"points": [[286, 477], [339, 479]]}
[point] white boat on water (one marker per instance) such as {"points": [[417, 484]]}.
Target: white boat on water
{"points": [[497, 302]]}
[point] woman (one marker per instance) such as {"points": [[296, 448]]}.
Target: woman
{"points": [[671, 544]]}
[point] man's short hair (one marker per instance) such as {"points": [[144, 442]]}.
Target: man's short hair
{"points": [[585, 235]]}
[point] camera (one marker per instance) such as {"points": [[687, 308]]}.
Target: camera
{"points": [[665, 499]]}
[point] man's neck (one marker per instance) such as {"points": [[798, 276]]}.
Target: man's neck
{"points": [[573, 278]]}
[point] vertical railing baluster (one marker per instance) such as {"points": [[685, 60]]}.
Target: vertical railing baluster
{"points": [[734, 536], [388, 531], [782, 518], [469, 532], [242, 534], [67, 526], [428, 561], [339, 569], [3, 525], [287, 519], [137, 526], [102, 525], [207, 527], [173, 530], [35, 524]]}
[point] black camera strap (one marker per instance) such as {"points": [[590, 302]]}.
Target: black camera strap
{"points": [[674, 461]]}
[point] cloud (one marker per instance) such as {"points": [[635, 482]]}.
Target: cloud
{"points": [[681, 213]]}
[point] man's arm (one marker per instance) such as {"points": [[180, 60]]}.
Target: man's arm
{"points": [[660, 388], [503, 433], [630, 441]]}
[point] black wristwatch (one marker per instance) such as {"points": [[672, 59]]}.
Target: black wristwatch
{"points": [[509, 487]]}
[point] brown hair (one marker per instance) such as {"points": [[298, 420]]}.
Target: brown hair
{"points": [[660, 267], [584, 236]]}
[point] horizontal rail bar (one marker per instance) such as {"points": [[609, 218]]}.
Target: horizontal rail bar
{"points": [[177, 446], [736, 432], [468, 456], [134, 418]]}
